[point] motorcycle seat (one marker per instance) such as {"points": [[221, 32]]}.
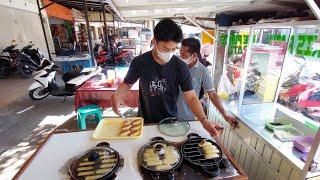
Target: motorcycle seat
{"points": [[70, 75]]}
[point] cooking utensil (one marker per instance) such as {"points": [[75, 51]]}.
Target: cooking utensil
{"points": [[159, 150], [122, 116], [193, 154], [100, 162], [173, 127]]}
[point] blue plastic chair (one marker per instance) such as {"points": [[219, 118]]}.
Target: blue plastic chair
{"points": [[86, 111]]}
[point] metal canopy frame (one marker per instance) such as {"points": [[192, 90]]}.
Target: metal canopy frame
{"points": [[82, 5], [92, 5], [198, 26], [314, 7]]}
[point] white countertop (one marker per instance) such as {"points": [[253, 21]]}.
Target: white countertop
{"points": [[61, 147], [255, 117]]}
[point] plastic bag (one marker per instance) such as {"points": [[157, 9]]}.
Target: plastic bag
{"points": [[225, 87]]}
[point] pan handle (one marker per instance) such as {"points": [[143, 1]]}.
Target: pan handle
{"points": [[121, 162], [103, 144], [155, 175], [193, 136], [158, 138], [171, 176], [210, 172]]}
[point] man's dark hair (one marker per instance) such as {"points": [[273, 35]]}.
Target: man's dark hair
{"points": [[193, 45], [168, 30]]}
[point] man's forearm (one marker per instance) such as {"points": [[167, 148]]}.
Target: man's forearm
{"points": [[217, 103], [196, 107], [123, 89]]}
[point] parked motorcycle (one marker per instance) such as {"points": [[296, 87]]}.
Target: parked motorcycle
{"points": [[29, 60], [45, 81], [8, 60], [113, 57]]}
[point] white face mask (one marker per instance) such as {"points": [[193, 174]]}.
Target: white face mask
{"points": [[187, 61], [165, 56]]}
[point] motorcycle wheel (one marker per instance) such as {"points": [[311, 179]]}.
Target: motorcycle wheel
{"points": [[38, 93], [4, 69], [25, 70]]}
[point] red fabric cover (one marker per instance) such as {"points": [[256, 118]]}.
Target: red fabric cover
{"points": [[99, 93]]}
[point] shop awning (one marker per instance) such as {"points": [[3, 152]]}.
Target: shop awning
{"points": [[146, 9], [58, 11], [205, 9], [93, 5]]}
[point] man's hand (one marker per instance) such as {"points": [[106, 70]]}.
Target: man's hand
{"points": [[232, 121], [217, 103], [214, 129], [116, 101]]}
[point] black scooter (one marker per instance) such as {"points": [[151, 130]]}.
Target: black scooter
{"points": [[8, 60], [29, 60]]}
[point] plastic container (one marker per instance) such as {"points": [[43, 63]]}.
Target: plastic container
{"points": [[287, 134], [272, 125], [109, 128], [303, 143]]}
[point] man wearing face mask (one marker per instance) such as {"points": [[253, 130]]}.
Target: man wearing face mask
{"points": [[161, 74], [201, 78]]}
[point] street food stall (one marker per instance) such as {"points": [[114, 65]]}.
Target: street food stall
{"points": [[267, 73], [270, 82]]}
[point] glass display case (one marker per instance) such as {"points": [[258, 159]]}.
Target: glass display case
{"points": [[271, 76], [233, 69], [219, 50], [264, 65], [299, 90], [278, 66]]}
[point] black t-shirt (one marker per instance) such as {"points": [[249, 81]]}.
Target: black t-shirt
{"points": [[158, 85]]}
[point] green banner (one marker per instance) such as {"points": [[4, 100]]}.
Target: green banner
{"points": [[237, 43], [299, 44], [302, 45]]}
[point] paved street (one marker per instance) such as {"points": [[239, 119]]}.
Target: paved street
{"points": [[24, 122]]}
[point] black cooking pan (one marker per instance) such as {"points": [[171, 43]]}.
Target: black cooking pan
{"points": [[100, 162], [160, 148], [194, 155]]}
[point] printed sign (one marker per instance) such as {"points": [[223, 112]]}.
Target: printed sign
{"points": [[299, 44]]}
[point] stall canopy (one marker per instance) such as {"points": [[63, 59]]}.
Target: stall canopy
{"points": [[202, 13], [146, 9]]}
